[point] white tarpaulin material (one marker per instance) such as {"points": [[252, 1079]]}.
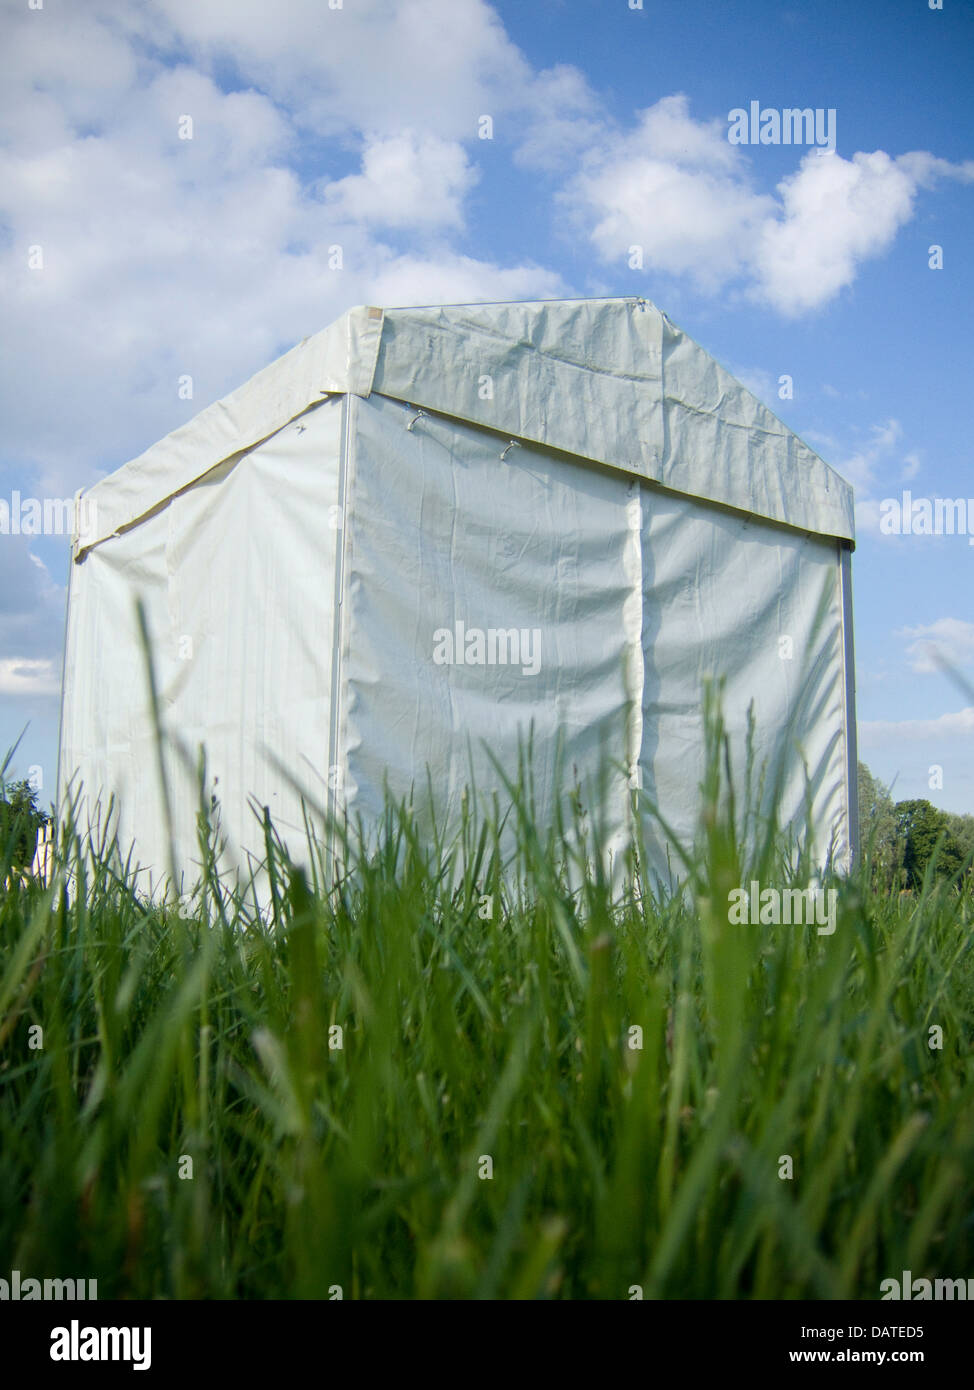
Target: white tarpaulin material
{"points": [[424, 532]]}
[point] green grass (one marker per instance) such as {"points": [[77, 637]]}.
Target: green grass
{"points": [[207, 1036]]}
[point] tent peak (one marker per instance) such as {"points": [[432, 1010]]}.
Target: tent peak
{"points": [[608, 379]]}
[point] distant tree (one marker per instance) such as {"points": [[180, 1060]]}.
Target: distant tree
{"points": [[20, 820], [879, 832], [922, 825], [962, 829]]}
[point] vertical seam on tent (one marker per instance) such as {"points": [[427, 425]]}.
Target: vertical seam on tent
{"points": [[635, 672], [64, 669], [167, 715], [849, 704], [336, 720]]}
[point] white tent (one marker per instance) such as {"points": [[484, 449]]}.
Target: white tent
{"points": [[423, 530]]}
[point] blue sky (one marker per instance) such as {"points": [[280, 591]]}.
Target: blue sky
{"points": [[358, 125]]}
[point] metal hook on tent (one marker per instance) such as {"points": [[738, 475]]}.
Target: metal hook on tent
{"points": [[420, 415], [513, 445]]}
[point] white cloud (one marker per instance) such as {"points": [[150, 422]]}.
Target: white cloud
{"points": [[926, 169], [948, 640], [835, 213], [676, 187], [406, 181], [373, 65], [860, 466], [46, 91], [875, 733], [563, 116], [166, 257], [19, 676]]}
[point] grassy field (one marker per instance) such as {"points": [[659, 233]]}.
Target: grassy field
{"points": [[383, 1089]]}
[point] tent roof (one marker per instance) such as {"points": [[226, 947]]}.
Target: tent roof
{"points": [[610, 380]]}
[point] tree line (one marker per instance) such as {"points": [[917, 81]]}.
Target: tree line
{"points": [[903, 838]]}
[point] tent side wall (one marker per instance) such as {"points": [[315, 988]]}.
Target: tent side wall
{"points": [[484, 594], [238, 576], [761, 607], [634, 595], [107, 745]]}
